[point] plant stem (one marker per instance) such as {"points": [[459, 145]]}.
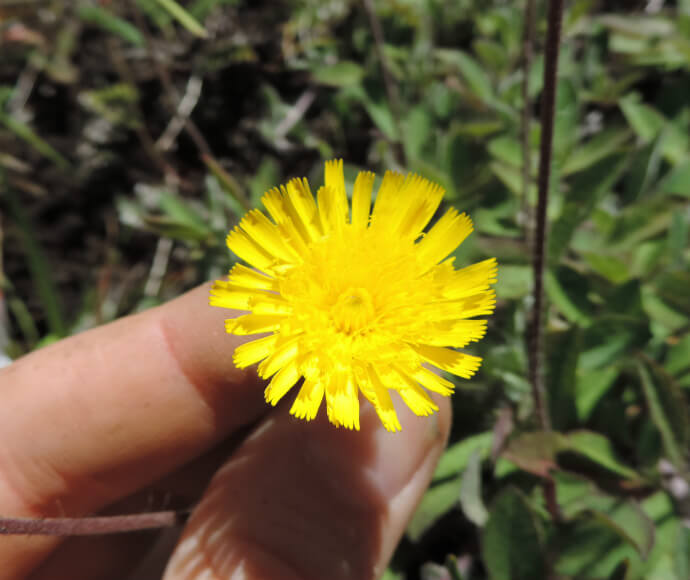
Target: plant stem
{"points": [[91, 526], [548, 110]]}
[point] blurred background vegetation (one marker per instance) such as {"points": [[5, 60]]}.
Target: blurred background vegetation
{"points": [[134, 133]]}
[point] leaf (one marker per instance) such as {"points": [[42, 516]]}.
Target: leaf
{"points": [[591, 387], [418, 129], [471, 491], [597, 448], [183, 17], [27, 134], [581, 499], [601, 146], [471, 70], [534, 452], [511, 542], [506, 149], [436, 501], [568, 292], [677, 182], [514, 282], [563, 352], [37, 263], [678, 357], [457, 456], [586, 191], [96, 14], [667, 409], [646, 121], [341, 74]]}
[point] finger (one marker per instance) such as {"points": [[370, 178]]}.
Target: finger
{"points": [[306, 501], [96, 416], [116, 555]]}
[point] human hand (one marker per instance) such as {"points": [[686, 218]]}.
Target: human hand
{"points": [[154, 402]]}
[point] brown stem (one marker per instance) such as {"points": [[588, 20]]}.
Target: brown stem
{"points": [[548, 110], [91, 526]]}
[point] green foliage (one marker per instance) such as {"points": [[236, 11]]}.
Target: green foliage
{"points": [[173, 118]]}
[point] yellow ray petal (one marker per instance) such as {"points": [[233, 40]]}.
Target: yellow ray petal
{"points": [[342, 401], [469, 280], [381, 399], [264, 232], [332, 212], [433, 382], [247, 249], [253, 324], [308, 401], [387, 199], [276, 201], [361, 199], [227, 295], [302, 200], [281, 383], [446, 235], [252, 352], [414, 396], [455, 333], [452, 361], [240, 275], [334, 179], [425, 198], [282, 355]]}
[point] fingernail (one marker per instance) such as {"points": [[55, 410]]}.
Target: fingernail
{"points": [[399, 455]]}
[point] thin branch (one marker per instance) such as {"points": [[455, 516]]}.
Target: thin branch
{"points": [[388, 82], [548, 111], [527, 52], [92, 526]]}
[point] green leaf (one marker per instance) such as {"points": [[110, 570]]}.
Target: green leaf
{"points": [[183, 17], [534, 452], [601, 146], [418, 129], [667, 409], [563, 351], [586, 191], [341, 74], [568, 291], [677, 182], [678, 358], [511, 541], [471, 491], [96, 14], [514, 282], [455, 459], [39, 269], [26, 133], [506, 149], [473, 73], [597, 448], [591, 387], [579, 498], [436, 501], [643, 119]]}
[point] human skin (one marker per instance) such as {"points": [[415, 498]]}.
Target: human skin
{"points": [[152, 403]]}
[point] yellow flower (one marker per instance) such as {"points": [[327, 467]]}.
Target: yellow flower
{"points": [[352, 301]]}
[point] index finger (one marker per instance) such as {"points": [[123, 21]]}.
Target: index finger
{"points": [[98, 415]]}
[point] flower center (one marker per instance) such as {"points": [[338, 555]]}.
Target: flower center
{"points": [[352, 311]]}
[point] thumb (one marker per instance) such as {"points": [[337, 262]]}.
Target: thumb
{"points": [[306, 501]]}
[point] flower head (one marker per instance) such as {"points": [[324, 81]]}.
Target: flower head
{"points": [[355, 301]]}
